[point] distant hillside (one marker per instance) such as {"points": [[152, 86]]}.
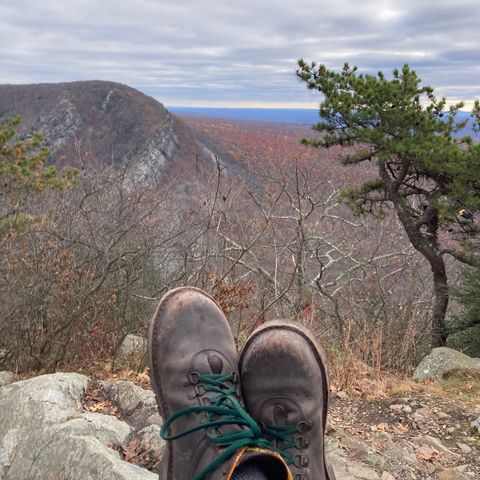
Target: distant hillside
{"points": [[297, 116], [265, 148], [97, 123]]}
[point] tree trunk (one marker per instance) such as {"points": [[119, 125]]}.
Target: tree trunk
{"points": [[440, 285], [427, 246]]}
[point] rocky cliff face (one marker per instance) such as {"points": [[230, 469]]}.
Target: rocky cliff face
{"points": [[96, 123]]}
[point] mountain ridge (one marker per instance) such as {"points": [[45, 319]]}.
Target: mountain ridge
{"points": [[99, 122]]}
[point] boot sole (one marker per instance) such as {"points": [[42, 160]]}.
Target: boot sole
{"points": [[154, 327], [319, 355]]}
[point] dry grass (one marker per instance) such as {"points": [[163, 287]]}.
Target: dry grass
{"points": [[348, 373], [357, 379]]}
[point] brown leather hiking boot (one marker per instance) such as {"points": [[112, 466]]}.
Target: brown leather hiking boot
{"points": [[194, 372], [285, 389]]}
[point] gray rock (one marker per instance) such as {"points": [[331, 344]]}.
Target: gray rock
{"points": [[361, 457], [361, 471], [359, 449], [6, 378], [65, 456], [436, 444], [384, 437], [402, 453], [332, 446], [30, 408], [107, 429], [416, 417], [464, 448], [132, 346], [44, 433], [342, 395], [138, 407], [396, 408], [51, 398], [443, 415], [376, 460], [339, 466], [443, 362], [450, 474], [150, 438], [425, 452], [476, 425], [425, 412], [387, 476]]}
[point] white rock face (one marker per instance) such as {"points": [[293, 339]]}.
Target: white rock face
{"points": [[44, 433]]}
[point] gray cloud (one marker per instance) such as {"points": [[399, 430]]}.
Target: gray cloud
{"points": [[220, 50]]}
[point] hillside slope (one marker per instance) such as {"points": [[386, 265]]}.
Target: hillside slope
{"points": [[98, 123]]}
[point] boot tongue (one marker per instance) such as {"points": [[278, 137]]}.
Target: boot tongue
{"points": [[215, 363]]}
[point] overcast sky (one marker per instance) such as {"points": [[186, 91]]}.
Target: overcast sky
{"points": [[237, 52]]}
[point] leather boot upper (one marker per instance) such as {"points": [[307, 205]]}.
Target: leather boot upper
{"points": [[194, 372], [285, 389]]}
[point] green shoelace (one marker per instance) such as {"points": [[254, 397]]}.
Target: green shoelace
{"points": [[286, 435], [225, 409]]}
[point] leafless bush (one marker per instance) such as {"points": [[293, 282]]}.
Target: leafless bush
{"points": [[92, 262], [87, 269]]}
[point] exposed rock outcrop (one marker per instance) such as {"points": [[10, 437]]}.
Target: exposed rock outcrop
{"points": [[138, 407], [444, 362], [45, 433], [67, 426]]}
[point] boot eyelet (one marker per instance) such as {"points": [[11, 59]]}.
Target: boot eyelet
{"points": [[304, 426], [235, 378], [301, 461], [199, 389], [193, 377], [302, 443], [300, 476]]}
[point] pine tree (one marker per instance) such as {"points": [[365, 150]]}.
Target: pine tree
{"points": [[429, 174], [23, 169]]}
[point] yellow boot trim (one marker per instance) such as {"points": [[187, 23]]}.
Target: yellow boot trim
{"points": [[239, 457]]}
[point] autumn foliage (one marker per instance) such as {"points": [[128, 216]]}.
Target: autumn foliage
{"points": [[266, 235]]}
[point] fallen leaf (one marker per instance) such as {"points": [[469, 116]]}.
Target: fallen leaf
{"points": [[401, 427], [426, 453]]}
